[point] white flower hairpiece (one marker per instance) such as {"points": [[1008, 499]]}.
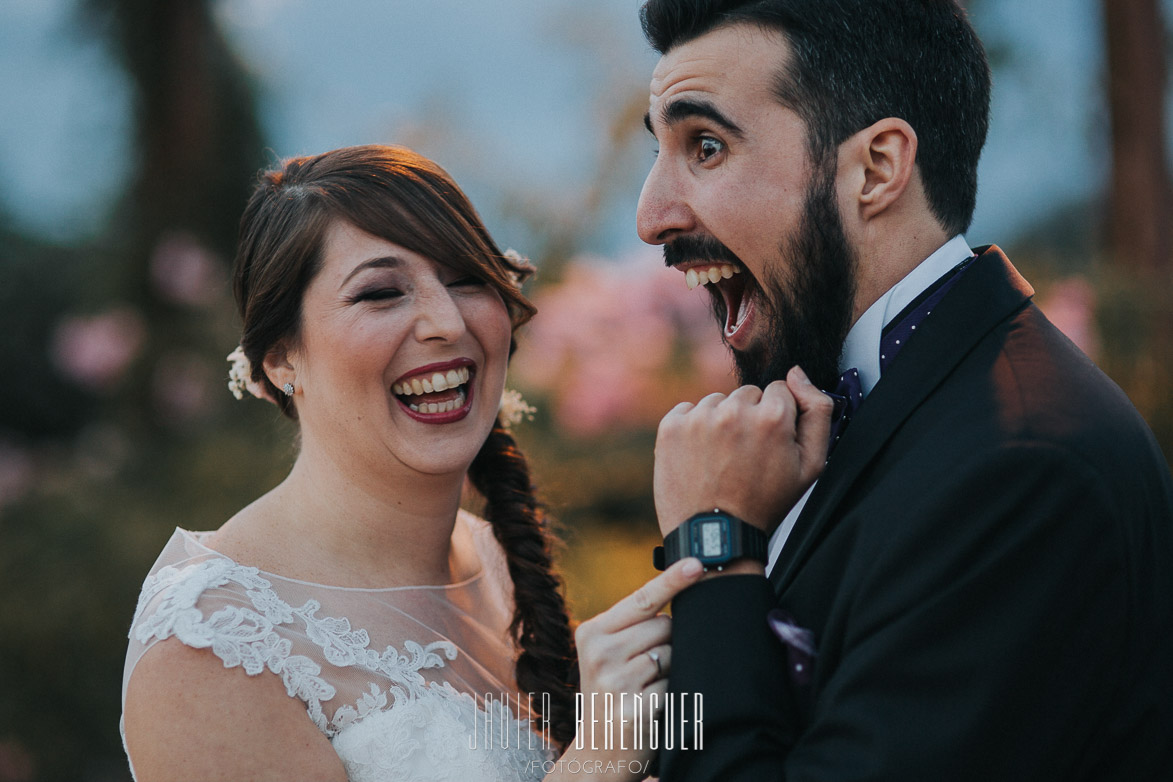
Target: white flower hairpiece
{"points": [[517, 258], [240, 376], [513, 409]]}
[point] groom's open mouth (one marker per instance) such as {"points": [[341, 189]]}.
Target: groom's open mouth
{"points": [[734, 293], [437, 393]]}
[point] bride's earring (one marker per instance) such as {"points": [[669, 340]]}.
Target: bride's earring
{"points": [[288, 389]]}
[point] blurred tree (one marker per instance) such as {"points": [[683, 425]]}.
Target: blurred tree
{"points": [[43, 404], [1141, 196], [197, 141], [122, 408], [1136, 312]]}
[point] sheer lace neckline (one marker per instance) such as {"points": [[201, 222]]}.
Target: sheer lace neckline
{"points": [[197, 539]]}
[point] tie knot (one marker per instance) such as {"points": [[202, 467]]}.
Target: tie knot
{"points": [[847, 396]]}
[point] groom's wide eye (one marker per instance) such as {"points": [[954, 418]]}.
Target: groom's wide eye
{"points": [[707, 147]]}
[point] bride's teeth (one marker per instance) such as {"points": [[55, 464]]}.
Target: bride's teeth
{"points": [[429, 408], [437, 382], [691, 279]]}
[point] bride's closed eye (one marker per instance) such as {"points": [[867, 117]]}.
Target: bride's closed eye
{"points": [[466, 282], [376, 294]]}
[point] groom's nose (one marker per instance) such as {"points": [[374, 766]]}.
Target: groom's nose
{"points": [[663, 211]]}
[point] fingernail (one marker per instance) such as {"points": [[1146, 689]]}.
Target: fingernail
{"points": [[691, 567], [801, 375]]}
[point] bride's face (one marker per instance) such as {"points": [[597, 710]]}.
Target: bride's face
{"points": [[400, 359]]}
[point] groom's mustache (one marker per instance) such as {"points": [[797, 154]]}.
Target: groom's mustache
{"points": [[684, 249]]}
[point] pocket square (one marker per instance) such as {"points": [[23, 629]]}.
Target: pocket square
{"points": [[799, 643]]}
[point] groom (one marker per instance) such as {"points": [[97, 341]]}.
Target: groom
{"points": [[979, 586]]}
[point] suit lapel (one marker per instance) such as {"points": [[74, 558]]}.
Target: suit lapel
{"points": [[990, 291]]}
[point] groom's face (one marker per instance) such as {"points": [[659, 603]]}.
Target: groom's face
{"points": [[734, 195]]}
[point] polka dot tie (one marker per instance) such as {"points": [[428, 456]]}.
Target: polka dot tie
{"points": [[848, 394]]}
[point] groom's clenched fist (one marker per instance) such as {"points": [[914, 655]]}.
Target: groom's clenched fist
{"points": [[752, 453]]}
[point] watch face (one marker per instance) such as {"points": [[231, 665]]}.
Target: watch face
{"points": [[711, 539]]}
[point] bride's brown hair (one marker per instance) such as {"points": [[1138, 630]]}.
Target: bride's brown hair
{"points": [[405, 198]]}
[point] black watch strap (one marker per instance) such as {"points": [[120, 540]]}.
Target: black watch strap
{"points": [[715, 538]]}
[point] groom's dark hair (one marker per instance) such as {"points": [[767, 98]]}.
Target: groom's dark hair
{"points": [[855, 62]]}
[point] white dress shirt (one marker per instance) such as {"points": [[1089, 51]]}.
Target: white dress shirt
{"points": [[861, 350]]}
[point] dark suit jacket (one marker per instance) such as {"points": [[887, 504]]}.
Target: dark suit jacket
{"points": [[987, 568]]}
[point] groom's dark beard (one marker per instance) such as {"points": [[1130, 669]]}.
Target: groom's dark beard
{"points": [[808, 307], [809, 296]]}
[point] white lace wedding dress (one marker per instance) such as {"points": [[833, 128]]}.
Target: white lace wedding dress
{"points": [[408, 683]]}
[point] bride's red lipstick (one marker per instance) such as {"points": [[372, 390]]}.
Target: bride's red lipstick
{"points": [[449, 394]]}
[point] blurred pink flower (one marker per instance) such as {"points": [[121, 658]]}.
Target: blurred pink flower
{"points": [[16, 474], [97, 349], [182, 385], [184, 271], [1071, 305], [16, 761], [619, 343]]}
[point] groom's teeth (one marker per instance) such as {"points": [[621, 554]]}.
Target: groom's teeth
{"points": [[697, 276]]}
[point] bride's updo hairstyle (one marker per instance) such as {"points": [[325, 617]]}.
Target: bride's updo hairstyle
{"points": [[404, 198]]}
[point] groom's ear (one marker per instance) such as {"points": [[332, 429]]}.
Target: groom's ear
{"points": [[876, 165]]}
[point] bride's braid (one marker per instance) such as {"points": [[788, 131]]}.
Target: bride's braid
{"points": [[541, 626]]}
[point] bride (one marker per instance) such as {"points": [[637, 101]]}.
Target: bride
{"points": [[354, 622]]}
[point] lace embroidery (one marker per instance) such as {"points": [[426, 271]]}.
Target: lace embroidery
{"points": [[246, 638], [428, 739]]}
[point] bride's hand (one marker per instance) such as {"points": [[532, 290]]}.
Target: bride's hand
{"points": [[624, 653]]}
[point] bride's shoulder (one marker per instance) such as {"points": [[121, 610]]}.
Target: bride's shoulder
{"points": [[184, 709], [189, 581], [249, 534]]}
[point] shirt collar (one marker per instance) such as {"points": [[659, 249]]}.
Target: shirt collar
{"points": [[861, 350]]}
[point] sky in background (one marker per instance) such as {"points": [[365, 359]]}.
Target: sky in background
{"points": [[510, 95]]}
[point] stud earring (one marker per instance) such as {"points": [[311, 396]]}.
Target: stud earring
{"points": [[288, 389]]}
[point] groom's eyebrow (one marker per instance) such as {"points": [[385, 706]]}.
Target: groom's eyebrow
{"points": [[686, 108]]}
